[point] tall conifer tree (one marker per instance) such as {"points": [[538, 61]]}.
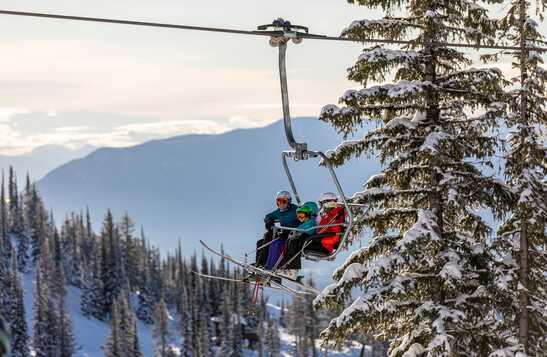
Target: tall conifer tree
{"points": [[161, 332], [425, 272], [521, 272], [17, 322]]}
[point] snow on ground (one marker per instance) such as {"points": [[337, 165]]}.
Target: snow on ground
{"points": [[287, 340], [91, 334]]}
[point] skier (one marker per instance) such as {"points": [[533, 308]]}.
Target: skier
{"points": [[332, 213], [285, 214], [291, 261], [4, 338]]}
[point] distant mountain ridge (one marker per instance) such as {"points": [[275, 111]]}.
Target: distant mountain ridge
{"points": [[191, 187], [41, 160]]}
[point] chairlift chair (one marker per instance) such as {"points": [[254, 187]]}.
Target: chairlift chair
{"points": [[282, 32]]}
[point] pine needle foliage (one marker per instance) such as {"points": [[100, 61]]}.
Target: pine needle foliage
{"points": [[425, 274], [520, 279]]}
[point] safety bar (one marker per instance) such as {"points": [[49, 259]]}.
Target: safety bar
{"points": [[292, 229], [349, 214]]}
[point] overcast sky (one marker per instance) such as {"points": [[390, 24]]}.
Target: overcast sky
{"points": [[75, 83]]}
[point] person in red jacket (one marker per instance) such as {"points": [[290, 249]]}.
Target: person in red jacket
{"points": [[328, 238]]}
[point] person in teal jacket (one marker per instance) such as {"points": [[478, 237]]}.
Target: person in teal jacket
{"points": [[285, 213], [267, 256], [306, 215]]}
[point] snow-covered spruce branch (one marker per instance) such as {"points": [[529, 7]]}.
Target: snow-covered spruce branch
{"points": [[379, 194], [401, 90], [376, 214], [392, 29], [385, 55], [363, 254]]}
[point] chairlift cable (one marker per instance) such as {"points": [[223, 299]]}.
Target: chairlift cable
{"points": [[309, 36]]}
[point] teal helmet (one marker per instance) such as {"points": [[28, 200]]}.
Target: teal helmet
{"points": [[310, 208]]}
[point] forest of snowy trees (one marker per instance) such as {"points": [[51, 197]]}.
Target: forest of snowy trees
{"points": [[124, 279], [437, 279]]}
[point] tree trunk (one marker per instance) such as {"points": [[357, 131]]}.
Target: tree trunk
{"points": [[523, 255], [523, 290], [433, 116]]}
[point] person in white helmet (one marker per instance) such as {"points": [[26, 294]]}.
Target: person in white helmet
{"points": [[285, 214], [333, 215]]}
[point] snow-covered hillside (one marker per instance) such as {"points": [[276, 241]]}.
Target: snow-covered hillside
{"points": [[91, 334]]}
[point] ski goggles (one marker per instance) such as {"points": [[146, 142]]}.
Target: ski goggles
{"points": [[329, 204], [301, 215], [282, 200]]}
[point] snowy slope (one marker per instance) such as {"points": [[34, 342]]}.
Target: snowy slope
{"points": [[91, 334]]}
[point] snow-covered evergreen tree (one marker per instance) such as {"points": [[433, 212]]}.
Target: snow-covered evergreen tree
{"points": [[92, 304], [272, 344], [37, 223], [5, 244], [521, 244], [131, 256], [226, 329], [150, 290], [110, 278], [44, 341], [67, 340], [16, 317], [186, 323], [424, 275], [136, 347], [162, 334], [123, 339], [114, 343], [147, 304]]}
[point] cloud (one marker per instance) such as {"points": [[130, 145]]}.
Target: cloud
{"points": [[258, 106], [40, 122], [242, 121], [6, 113], [155, 130], [22, 130]]}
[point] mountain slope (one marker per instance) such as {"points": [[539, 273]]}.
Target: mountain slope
{"points": [[211, 187], [91, 334], [41, 160]]}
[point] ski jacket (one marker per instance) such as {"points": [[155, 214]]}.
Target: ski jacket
{"points": [[287, 218], [335, 216], [310, 223]]}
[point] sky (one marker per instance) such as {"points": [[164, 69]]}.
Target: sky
{"points": [[76, 83]]}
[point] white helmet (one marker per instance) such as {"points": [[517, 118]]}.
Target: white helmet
{"points": [[327, 196], [284, 194]]}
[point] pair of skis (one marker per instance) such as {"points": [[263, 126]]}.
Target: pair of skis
{"points": [[263, 276]]}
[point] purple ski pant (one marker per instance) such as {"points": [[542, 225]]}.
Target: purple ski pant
{"points": [[276, 249]]}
